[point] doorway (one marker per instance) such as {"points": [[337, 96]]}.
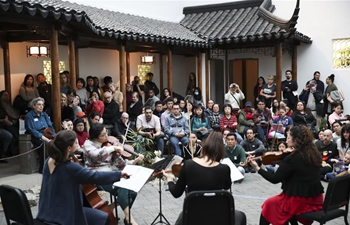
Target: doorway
{"points": [[245, 72], [217, 78]]}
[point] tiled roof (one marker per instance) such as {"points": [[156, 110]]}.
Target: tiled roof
{"points": [[109, 23], [241, 21]]}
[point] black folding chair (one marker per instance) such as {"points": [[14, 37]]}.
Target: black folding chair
{"points": [[208, 208], [16, 207], [337, 196]]}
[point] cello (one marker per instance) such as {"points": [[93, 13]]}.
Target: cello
{"points": [[94, 199]]}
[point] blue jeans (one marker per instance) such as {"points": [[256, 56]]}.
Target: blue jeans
{"points": [[5, 138], [175, 143], [239, 137], [262, 131]]}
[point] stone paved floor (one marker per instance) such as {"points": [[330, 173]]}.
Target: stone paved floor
{"points": [[249, 196]]}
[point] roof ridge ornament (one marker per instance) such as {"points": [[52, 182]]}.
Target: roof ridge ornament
{"points": [[282, 23]]}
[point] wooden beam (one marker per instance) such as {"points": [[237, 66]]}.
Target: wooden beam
{"points": [[56, 104], [161, 74], [295, 64], [278, 69], [199, 70], [72, 63], [207, 89], [226, 63], [169, 69], [128, 68], [7, 66], [76, 62], [122, 72]]}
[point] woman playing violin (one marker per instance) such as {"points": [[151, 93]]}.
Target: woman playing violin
{"points": [[217, 176], [60, 199], [299, 174], [108, 158]]}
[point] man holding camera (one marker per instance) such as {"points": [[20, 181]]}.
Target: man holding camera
{"points": [[313, 100], [148, 125], [234, 96]]}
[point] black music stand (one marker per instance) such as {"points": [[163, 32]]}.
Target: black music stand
{"points": [[158, 166], [160, 214]]}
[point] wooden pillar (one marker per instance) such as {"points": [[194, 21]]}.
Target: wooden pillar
{"points": [[169, 70], [76, 62], [128, 67], [278, 48], [72, 63], [199, 70], [7, 67], [226, 71], [56, 104], [161, 73], [295, 63], [207, 89], [122, 72]]}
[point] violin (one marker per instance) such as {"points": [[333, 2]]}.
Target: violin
{"points": [[48, 133], [175, 169], [273, 157], [243, 164], [128, 149]]}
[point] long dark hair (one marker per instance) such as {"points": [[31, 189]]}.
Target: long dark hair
{"points": [[26, 79], [213, 147], [57, 148], [203, 119], [257, 82], [303, 139], [191, 83], [343, 141]]}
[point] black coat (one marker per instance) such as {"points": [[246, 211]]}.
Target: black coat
{"points": [[111, 113]]}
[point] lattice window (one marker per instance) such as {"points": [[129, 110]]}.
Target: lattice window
{"points": [[341, 54], [47, 69], [142, 70]]}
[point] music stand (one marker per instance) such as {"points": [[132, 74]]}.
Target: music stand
{"points": [[161, 165]]}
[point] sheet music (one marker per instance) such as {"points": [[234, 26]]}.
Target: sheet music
{"points": [[235, 174], [138, 177]]}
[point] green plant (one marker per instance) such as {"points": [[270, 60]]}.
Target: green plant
{"points": [[142, 145]]}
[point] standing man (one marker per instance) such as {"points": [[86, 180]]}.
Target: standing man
{"points": [[45, 91], [319, 83], [289, 89], [176, 127], [234, 96], [329, 152], [150, 85], [150, 127], [235, 152]]}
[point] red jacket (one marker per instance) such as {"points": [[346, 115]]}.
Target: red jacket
{"points": [[230, 123]]}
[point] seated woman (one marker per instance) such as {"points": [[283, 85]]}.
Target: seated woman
{"points": [[9, 121], [66, 111], [338, 116], [217, 176], [280, 123], [229, 121], [192, 149], [60, 199], [302, 116], [106, 158], [95, 104], [200, 124], [36, 122], [299, 174]]}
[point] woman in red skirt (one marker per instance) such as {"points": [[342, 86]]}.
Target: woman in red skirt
{"points": [[302, 190]]}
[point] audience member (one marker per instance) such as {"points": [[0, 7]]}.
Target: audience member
{"points": [[82, 92], [27, 90], [275, 107], [338, 116], [165, 95], [192, 83], [66, 111], [343, 143], [152, 99], [67, 124], [262, 118], [280, 123], [268, 91], [197, 98], [122, 125], [90, 87], [45, 91], [148, 125], [234, 96], [95, 104], [176, 128], [209, 110], [192, 149], [289, 89], [257, 89], [98, 88], [139, 88], [245, 118], [128, 95], [319, 83], [200, 123], [235, 152], [182, 105], [150, 85], [327, 98], [215, 117], [329, 152], [158, 109], [229, 121], [64, 83], [117, 95], [135, 107], [107, 80], [169, 109], [341, 168], [336, 126], [274, 166], [189, 110], [79, 128]]}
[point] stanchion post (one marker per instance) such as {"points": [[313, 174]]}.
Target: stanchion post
{"points": [[28, 162]]}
